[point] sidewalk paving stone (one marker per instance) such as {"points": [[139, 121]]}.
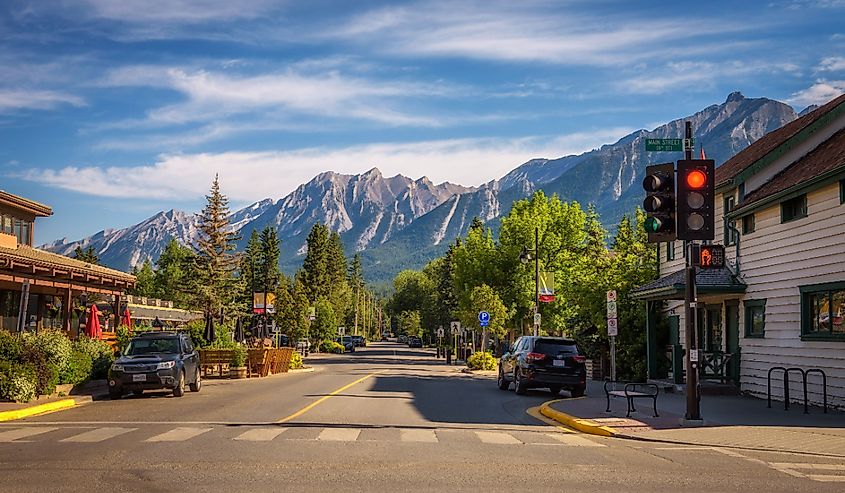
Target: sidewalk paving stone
{"points": [[729, 421]]}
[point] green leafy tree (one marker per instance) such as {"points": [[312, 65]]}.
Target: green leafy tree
{"points": [[485, 298], [325, 325], [174, 268], [409, 323], [145, 281]]}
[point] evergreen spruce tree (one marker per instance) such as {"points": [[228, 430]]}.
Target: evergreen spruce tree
{"points": [[88, 255], [172, 272], [315, 275], [215, 256], [249, 263]]}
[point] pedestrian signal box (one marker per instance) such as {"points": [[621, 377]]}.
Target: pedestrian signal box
{"points": [[708, 256]]}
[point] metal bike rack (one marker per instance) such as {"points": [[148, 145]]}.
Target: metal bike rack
{"points": [[804, 374], [824, 387]]}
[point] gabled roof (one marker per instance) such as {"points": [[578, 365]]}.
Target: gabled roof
{"points": [[828, 157], [770, 142], [672, 286], [28, 205]]}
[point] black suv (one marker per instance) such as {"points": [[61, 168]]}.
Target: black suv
{"points": [[156, 360], [359, 341], [551, 362]]}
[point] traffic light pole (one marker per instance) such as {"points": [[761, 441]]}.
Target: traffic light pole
{"points": [[690, 310], [690, 336]]}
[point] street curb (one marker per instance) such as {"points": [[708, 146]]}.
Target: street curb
{"points": [[37, 409], [583, 425], [723, 445]]}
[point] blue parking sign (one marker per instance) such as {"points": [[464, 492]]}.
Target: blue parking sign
{"points": [[484, 319]]}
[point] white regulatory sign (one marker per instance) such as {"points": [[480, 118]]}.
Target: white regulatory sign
{"points": [[611, 295], [612, 327], [440, 332], [341, 331], [537, 319], [455, 328], [693, 355], [611, 309]]}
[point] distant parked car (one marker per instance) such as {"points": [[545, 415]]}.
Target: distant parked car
{"points": [[551, 362], [403, 339], [359, 341], [303, 345], [156, 360], [347, 342], [414, 341]]}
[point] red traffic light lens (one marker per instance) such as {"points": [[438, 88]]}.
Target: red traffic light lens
{"points": [[696, 179]]}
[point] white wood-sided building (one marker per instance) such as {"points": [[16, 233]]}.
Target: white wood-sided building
{"points": [[780, 212]]}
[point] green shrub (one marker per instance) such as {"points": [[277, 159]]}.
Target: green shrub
{"points": [[481, 361], [52, 344], [46, 373], [123, 337], [196, 328], [11, 346], [78, 368], [101, 355], [331, 347], [296, 361], [239, 356], [17, 381]]}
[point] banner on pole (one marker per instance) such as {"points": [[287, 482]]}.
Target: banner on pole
{"points": [[258, 304], [547, 287]]}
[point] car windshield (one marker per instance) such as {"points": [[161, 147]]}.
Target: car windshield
{"points": [[554, 347], [347, 339], [169, 345]]}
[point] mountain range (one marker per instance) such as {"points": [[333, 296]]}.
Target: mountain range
{"points": [[399, 223]]}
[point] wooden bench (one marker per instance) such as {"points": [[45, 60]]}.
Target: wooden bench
{"points": [[258, 363], [631, 391], [209, 358]]}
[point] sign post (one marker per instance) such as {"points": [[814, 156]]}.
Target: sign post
{"points": [[455, 330], [612, 330], [440, 333]]}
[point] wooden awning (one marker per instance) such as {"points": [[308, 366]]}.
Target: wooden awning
{"points": [[50, 269]]}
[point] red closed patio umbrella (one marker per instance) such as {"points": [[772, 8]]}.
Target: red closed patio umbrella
{"points": [[92, 328], [126, 319]]}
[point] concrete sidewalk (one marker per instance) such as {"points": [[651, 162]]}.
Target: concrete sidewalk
{"points": [[729, 421]]}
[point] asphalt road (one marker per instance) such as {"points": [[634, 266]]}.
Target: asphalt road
{"points": [[386, 418]]}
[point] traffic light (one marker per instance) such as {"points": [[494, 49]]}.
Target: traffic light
{"points": [[696, 199], [659, 203]]}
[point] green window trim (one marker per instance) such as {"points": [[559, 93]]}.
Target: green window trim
{"points": [[812, 292], [750, 307], [793, 209], [729, 236]]}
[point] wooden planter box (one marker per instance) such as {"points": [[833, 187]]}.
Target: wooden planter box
{"points": [[237, 372]]}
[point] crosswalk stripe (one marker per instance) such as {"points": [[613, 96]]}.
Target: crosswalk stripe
{"points": [[17, 434], [260, 434], [574, 440], [497, 438], [339, 434], [178, 434], [98, 435], [427, 436]]}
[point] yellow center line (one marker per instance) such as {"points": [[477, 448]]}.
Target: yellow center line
{"points": [[321, 399]]}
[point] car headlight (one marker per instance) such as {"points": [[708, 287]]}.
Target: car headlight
{"points": [[165, 365], [117, 367]]}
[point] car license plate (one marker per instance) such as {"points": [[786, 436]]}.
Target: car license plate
{"points": [[559, 362], [139, 378]]}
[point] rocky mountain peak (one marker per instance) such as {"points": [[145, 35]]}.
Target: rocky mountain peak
{"points": [[735, 97]]}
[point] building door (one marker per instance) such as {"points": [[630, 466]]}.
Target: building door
{"points": [[732, 329]]}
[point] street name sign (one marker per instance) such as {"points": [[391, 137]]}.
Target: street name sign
{"points": [[484, 319], [668, 145]]}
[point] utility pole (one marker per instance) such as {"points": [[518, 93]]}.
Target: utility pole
{"points": [[357, 293], [536, 278]]}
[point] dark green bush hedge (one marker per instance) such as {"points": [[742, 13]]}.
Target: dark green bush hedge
{"points": [[77, 369]]}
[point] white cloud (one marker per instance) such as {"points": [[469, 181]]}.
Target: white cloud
{"points": [[250, 176], [523, 31], [698, 76], [177, 11], [831, 64], [214, 95], [819, 93], [20, 99]]}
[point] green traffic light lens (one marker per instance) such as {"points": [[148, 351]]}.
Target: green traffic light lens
{"points": [[653, 224]]}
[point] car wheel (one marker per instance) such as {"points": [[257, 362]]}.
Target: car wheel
{"points": [[518, 383], [555, 390], [503, 384], [179, 389], [197, 385], [578, 391], [138, 392], [115, 395]]}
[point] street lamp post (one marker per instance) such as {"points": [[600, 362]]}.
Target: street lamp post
{"points": [[525, 257]]}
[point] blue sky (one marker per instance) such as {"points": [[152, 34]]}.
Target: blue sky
{"points": [[112, 110]]}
